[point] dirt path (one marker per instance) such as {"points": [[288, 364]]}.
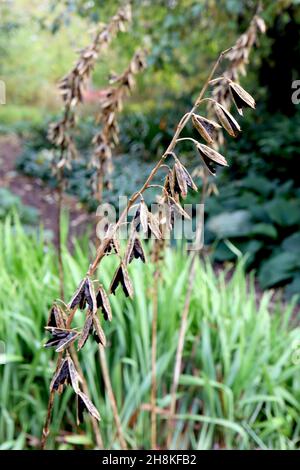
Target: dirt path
{"points": [[34, 192]]}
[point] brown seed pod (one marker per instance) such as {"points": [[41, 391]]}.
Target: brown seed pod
{"points": [[136, 251], [143, 216], [103, 303], [121, 277], [241, 97], [227, 120], [98, 332], [84, 295], [90, 296], [61, 338], [78, 297], [56, 317], [86, 331], [66, 374], [85, 404], [209, 157], [180, 179], [206, 128]]}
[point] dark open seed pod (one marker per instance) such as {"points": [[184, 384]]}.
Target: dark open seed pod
{"points": [[66, 374], [90, 296], [180, 179], [78, 297], [85, 404], [189, 180], [98, 332], [137, 251], [103, 303], [56, 317], [210, 157], [121, 277], [61, 376], [227, 120], [61, 338], [242, 99], [206, 128], [86, 331]]}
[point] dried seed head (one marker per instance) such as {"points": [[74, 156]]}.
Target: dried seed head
{"points": [[103, 303], [56, 317], [227, 120], [121, 277], [241, 97], [209, 157], [66, 374], [136, 251], [206, 128], [85, 404], [181, 182], [143, 215], [86, 331], [91, 327], [84, 295], [98, 332], [61, 338]]}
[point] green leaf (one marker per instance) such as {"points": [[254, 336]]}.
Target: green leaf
{"points": [[266, 230], [230, 224], [283, 212], [278, 269]]}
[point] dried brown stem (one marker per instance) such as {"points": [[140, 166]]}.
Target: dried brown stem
{"points": [[111, 397], [59, 238], [184, 320], [181, 125]]}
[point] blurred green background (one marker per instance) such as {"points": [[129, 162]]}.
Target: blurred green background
{"points": [[257, 208]]}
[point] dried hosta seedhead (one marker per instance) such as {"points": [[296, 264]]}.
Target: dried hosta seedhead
{"points": [[56, 317], [98, 333], [182, 180], [86, 331], [176, 208], [85, 404], [66, 374], [113, 246], [91, 328], [141, 216], [227, 120], [136, 251], [84, 295], [103, 303], [241, 97], [206, 128], [154, 225], [210, 157], [61, 338], [121, 277]]}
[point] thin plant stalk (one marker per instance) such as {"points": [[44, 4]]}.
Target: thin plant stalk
{"points": [[184, 322], [153, 362], [181, 125], [59, 237], [111, 396]]}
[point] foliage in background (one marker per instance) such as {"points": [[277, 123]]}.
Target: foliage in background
{"points": [[258, 213], [229, 396]]}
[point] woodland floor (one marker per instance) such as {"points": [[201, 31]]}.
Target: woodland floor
{"points": [[35, 193]]}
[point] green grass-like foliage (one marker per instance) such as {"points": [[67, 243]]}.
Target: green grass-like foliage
{"points": [[240, 386]]}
